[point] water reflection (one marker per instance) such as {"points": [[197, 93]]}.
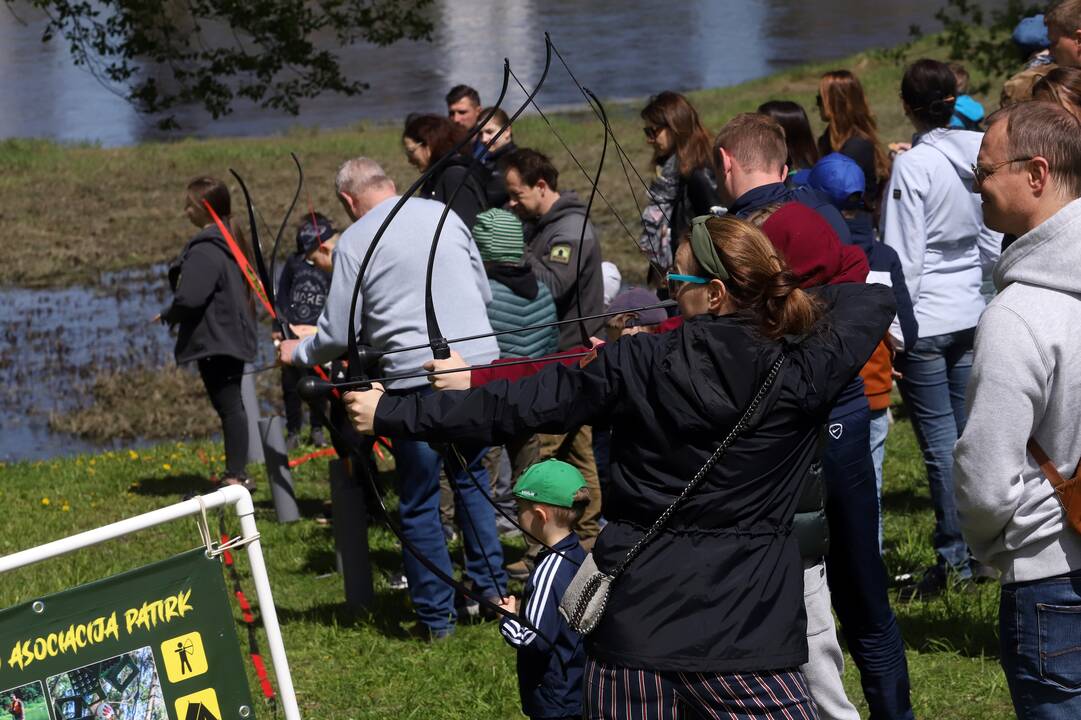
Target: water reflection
{"points": [[621, 48]]}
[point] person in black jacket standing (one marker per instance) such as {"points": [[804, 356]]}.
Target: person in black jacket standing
{"points": [[426, 140], [708, 620], [214, 314]]}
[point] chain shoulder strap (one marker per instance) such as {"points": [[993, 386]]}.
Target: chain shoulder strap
{"points": [[736, 430]]}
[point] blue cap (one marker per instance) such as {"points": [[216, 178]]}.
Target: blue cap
{"points": [[840, 178], [1031, 35]]}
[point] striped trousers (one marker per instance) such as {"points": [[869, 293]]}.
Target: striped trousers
{"points": [[616, 693]]}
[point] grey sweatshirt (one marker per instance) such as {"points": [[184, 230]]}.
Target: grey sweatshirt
{"points": [[390, 309], [1026, 382]]}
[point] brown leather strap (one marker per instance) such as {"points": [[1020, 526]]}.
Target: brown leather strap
{"points": [[1048, 467]]}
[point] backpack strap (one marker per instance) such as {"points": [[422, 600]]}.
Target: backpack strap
{"points": [[1047, 466]]}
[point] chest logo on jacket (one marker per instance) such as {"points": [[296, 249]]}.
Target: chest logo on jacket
{"points": [[836, 430]]}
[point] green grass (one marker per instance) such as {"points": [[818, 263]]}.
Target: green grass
{"points": [[72, 211], [362, 666]]}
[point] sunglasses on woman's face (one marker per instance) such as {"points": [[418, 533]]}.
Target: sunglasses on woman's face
{"points": [[652, 132], [677, 281]]}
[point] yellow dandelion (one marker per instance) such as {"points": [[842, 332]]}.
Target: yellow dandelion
{"points": [[133, 455], [44, 501], [166, 466], [66, 508]]}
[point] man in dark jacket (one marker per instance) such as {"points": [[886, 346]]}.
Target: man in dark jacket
{"points": [[562, 243], [751, 177], [557, 239]]}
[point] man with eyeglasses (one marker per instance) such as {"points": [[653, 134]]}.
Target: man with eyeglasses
{"points": [[1024, 426]]}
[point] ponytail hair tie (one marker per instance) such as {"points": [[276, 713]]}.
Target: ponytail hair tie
{"points": [[703, 249]]}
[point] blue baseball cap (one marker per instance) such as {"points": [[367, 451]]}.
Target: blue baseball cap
{"points": [[1031, 35], [840, 178]]}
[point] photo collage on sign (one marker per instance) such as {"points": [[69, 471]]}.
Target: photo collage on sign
{"points": [[125, 687]]}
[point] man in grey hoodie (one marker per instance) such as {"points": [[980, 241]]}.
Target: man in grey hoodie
{"points": [[390, 315], [1026, 384]]}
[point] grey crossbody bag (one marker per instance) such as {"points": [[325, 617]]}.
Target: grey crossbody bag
{"points": [[587, 595]]}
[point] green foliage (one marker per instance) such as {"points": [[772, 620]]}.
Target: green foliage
{"points": [[214, 52], [981, 38]]}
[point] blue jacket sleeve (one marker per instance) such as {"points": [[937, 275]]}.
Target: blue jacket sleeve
{"points": [[906, 314], [541, 609]]}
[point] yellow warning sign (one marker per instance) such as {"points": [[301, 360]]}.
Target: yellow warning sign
{"points": [[184, 657], [202, 705]]}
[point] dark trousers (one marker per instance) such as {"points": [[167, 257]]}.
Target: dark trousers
{"points": [[618, 693], [221, 377], [857, 577], [294, 406]]}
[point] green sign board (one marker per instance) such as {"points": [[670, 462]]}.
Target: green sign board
{"points": [[156, 643]]}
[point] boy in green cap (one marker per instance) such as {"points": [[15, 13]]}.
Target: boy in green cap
{"points": [[551, 498]]}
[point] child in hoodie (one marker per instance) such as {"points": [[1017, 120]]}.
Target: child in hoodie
{"points": [[841, 179]]}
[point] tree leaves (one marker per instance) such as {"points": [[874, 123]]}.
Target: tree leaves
{"points": [[162, 57]]}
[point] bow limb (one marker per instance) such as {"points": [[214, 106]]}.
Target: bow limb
{"points": [[585, 221], [440, 348], [436, 340], [257, 251], [348, 441], [356, 365], [285, 220]]}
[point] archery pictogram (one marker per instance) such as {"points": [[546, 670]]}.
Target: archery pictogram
{"points": [[184, 657]]}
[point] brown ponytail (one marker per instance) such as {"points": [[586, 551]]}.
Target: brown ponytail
{"points": [[760, 282]]}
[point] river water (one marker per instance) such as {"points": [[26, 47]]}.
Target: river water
{"points": [[619, 48]]}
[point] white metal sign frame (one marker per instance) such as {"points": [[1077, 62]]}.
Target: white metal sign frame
{"points": [[230, 495]]}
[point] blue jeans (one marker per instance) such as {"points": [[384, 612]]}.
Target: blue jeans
{"points": [[418, 490], [856, 575], [880, 428], [934, 377], [1040, 636]]}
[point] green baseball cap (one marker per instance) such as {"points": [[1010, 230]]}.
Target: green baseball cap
{"points": [[551, 482]]}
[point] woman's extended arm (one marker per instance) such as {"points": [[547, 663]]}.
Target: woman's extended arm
{"points": [[556, 399]]}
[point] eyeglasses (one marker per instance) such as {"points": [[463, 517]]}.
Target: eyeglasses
{"points": [[676, 281], [981, 173], [652, 132]]}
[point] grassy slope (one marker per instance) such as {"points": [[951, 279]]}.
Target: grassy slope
{"points": [[348, 666], [71, 212]]}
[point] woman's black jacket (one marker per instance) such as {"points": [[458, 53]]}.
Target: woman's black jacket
{"points": [[495, 186], [211, 304], [697, 194], [471, 199], [721, 588]]}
